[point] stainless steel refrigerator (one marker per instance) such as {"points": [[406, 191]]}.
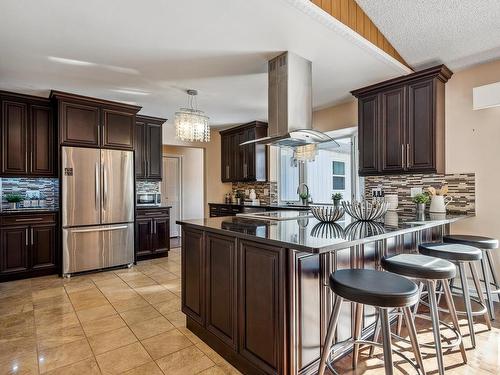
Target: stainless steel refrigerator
{"points": [[97, 208]]}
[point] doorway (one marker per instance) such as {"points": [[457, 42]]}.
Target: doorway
{"points": [[171, 190]]}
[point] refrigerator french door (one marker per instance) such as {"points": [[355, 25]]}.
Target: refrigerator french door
{"points": [[97, 208]]}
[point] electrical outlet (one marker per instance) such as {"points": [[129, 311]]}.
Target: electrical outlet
{"points": [[266, 192], [415, 190], [247, 192]]}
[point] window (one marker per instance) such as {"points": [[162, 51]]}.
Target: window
{"points": [[331, 172], [338, 169]]}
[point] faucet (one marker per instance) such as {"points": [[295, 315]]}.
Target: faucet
{"points": [[306, 188]]}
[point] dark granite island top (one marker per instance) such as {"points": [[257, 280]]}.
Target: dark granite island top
{"points": [[311, 235], [257, 292]]}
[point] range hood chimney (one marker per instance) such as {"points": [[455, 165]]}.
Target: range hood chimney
{"points": [[290, 103]]}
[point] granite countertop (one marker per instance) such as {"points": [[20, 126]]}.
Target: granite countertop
{"points": [[152, 207], [29, 210], [313, 236], [273, 206]]}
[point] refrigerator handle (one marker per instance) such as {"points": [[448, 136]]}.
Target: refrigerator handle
{"points": [[107, 229], [96, 194], [105, 184]]}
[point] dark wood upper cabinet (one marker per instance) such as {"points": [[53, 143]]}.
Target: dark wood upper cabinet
{"points": [[28, 132], [148, 147], [14, 138], [401, 124], [79, 124], [91, 122], [368, 108], [247, 162], [118, 129], [42, 141]]}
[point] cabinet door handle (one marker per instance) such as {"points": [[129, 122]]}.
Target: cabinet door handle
{"points": [[408, 155], [24, 220], [32, 237], [403, 156], [151, 228], [227, 171], [155, 226], [26, 240]]}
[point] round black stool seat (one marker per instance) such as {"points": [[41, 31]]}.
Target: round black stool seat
{"points": [[375, 288], [419, 266], [476, 241], [451, 251]]}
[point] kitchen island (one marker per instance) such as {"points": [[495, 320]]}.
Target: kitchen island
{"points": [[257, 290]]}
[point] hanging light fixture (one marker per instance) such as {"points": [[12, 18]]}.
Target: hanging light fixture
{"points": [[305, 153], [191, 124]]}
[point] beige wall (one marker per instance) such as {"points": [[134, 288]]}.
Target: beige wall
{"points": [[214, 189], [340, 116], [472, 143]]}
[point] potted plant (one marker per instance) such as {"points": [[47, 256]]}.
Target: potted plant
{"points": [[421, 200], [337, 197], [13, 199], [304, 197]]}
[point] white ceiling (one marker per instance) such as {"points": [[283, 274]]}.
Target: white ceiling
{"points": [[150, 52], [459, 33]]}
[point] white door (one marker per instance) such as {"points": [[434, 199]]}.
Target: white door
{"points": [[171, 190]]}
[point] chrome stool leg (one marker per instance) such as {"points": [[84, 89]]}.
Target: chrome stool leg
{"points": [[487, 284], [467, 301], [386, 341], [410, 324], [332, 325], [493, 271], [431, 290], [479, 291], [454, 317], [376, 333], [358, 323]]}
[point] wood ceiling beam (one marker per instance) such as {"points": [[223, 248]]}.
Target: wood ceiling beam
{"points": [[350, 14]]}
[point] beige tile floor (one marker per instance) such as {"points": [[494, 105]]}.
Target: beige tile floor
{"points": [[117, 322], [129, 322]]}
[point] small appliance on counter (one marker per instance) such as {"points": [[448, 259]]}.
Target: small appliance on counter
{"points": [[145, 199], [392, 201]]}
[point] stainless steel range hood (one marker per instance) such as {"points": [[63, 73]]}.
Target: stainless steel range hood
{"points": [[290, 104]]}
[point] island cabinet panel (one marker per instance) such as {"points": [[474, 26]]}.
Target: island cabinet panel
{"points": [[221, 306], [262, 305], [401, 124], [193, 274]]}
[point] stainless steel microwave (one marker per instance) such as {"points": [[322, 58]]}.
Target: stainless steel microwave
{"points": [[148, 199]]}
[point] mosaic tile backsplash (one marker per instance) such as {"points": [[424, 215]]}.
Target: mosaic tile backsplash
{"points": [[147, 186], [272, 187], [48, 188], [461, 187]]}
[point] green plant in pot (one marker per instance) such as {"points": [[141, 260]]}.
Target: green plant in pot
{"points": [[304, 197], [421, 200], [337, 197], [13, 199]]}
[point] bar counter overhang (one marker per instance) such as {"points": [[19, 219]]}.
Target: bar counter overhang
{"points": [[257, 291]]}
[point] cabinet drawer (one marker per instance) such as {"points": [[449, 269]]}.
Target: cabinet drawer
{"points": [[27, 219], [153, 213]]}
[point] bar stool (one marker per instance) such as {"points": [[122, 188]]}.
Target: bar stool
{"points": [[487, 245], [461, 255], [429, 270], [375, 288]]}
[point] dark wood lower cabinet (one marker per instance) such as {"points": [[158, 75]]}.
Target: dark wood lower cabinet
{"points": [[262, 303], [233, 294], [28, 246], [152, 233]]}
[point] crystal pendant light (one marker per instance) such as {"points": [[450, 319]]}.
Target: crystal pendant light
{"points": [[191, 124], [305, 153]]}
